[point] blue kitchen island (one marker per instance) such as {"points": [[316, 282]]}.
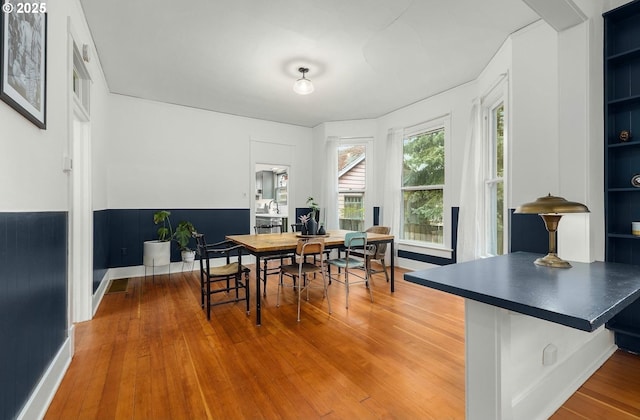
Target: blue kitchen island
{"points": [[533, 334]]}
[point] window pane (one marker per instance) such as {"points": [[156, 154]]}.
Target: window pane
{"points": [[423, 216], [499, 135], [423, 162], [352, 183], [500, 219], [495, 234], [351, 208]]}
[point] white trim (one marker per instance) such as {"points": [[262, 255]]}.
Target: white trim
{"points": [[495, 96], [434, 124], [177, 268], [80, 242], [367, 203], [547, 395], [494, 340], [99, 294], [38, 403]]}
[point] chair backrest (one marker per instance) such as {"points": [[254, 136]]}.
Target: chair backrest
{"points": [[267, 229], [311, 246], [355, 240], [381, 249], [201, 251], [296, 227], [201, 244]]}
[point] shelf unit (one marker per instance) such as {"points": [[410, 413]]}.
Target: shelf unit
{"points": [[622, 157]]}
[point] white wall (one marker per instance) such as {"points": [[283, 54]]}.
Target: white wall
{"points": [[530, 59], [159, 152], [534, 114], [31, 161]]}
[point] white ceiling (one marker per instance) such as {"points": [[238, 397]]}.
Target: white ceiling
{"points": [[366, 58]]}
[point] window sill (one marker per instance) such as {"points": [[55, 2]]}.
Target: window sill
{"points": [[425, 248]]}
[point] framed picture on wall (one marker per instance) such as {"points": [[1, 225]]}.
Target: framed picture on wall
{"points": [[23, 59]]}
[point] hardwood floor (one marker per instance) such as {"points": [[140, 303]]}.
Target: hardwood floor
{"points": [[150, 353]]}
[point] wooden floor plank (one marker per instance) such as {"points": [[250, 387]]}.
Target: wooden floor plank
{"points": [[151, 353]]}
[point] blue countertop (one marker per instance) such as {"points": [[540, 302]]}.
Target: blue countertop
{"points": [[583, 297]]}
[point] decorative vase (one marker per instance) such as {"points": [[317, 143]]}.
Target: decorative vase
{"points": [[188, 256], [321, 230], [303, 229], [312, 227], [156, 253]]}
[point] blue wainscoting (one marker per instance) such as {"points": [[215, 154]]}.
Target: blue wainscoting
{"points": [[129, 228], [33, 301], [430, 259], [100, 246], [528, 233]]}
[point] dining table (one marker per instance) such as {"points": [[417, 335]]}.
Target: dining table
{"points": [[263, 245]]}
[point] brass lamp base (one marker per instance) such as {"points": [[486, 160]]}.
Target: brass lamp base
{"points": [[552, 260]]}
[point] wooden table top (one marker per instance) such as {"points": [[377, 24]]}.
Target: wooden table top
{"points": [[271, 242]]}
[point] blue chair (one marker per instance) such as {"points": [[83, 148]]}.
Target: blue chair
{"points": [[354, 242]]}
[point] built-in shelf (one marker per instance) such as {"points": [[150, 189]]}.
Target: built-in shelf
{"points": [[623, 144], [629, 100], [625, 189], [622, 159], [624, 56], [622, 235]]}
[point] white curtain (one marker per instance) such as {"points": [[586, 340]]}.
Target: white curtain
{"points": [[329, 199], [391, 212], [472, 191]]}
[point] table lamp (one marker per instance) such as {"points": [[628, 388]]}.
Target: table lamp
{"points": [[551, 208]]}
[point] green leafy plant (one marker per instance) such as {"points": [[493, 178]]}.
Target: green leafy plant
{"points": [[165, 232], [184, 233], [311, 203]]}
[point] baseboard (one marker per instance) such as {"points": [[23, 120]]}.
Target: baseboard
{"points": [[99, 294], [176, 267], [38, 403], [544, 398]]}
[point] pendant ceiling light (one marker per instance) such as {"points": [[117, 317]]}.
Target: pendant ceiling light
{"points": [[303, 86]]}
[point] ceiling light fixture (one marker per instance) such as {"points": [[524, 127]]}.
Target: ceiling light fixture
{"points": [[303, 86]]}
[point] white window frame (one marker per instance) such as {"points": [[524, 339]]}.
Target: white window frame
{"points": [[367, 142], [442, 122], [496, 97]]}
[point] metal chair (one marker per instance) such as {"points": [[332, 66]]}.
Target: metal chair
{"points": [[297, 227], [378, 253], [230, 273], [266, 270], [301, 269], [353, 241]]}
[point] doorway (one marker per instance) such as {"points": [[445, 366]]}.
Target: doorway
{"points": [[80, 259], [271, 197]]}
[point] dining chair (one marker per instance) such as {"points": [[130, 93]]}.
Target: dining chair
{"points": [[353, 241], [230, 274], [297, 227], [266, 270], [376, 254], [301, 269]]}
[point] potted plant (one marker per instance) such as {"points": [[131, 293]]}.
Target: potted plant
{"points": [[183, 234], [311, 203], [158, 252], [312, 222]]}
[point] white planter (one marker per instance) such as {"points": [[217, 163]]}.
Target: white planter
{"points": [[188, 256], [156, 253]]}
